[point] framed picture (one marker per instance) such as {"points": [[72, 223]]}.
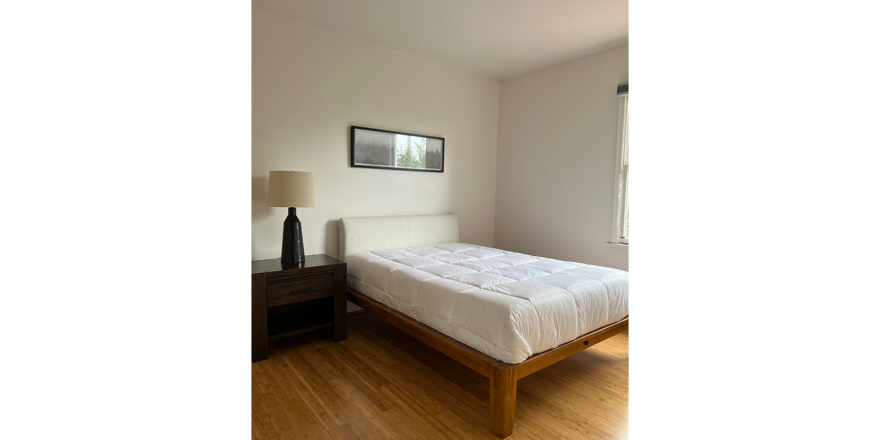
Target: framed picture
{"points": [[393, 150]]}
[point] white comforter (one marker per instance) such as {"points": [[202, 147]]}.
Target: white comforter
{"points": [[507, 305]]}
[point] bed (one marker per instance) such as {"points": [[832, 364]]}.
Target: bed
{"points": [[503, 314]]}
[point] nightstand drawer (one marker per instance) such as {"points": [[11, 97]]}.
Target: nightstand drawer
{"points": [[301, 290]]}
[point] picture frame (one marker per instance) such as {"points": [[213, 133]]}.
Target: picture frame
{"points": [[396, 150]]}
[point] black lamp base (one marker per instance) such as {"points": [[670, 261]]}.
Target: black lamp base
{"points": [[292, 241]]}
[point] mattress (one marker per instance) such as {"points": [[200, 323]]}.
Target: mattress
{"points": [[505, 304]]}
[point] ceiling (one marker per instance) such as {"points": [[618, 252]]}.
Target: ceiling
{"points": [[498, 39]]}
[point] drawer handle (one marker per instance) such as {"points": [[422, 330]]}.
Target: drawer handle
{"points": [[297, 292]]}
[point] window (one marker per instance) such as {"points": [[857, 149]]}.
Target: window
{"points": [[620, 229]]}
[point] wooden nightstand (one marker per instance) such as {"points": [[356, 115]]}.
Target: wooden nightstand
{"points": [[287, 299]]}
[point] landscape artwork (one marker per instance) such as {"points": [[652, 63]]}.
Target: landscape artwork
{"points": [[374, 148]]}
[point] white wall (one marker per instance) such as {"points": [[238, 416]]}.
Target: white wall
{"points": [[556, 145], [310, 86]]}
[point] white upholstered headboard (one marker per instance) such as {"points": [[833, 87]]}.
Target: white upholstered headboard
{"points": [[362, 234]]}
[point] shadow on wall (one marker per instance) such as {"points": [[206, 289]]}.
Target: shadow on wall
{"points": [[259, 210], [332, 244]]}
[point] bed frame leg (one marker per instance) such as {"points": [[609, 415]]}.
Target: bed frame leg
{"points": [[502, 399]]}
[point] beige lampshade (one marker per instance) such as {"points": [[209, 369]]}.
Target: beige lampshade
{"points": [[291, 189]]}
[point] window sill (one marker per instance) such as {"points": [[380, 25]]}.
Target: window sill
{"points": [[617, 247]]}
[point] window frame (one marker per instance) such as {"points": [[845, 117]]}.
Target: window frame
{"points": [[620, 209]]}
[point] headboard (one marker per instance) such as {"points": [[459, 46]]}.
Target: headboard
{"points": [[362, 234]]}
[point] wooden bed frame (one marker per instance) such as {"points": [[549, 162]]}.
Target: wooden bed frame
{"points": [[362, 234], [502, 376]]}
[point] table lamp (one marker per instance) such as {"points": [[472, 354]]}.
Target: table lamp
{"points": [[291, 190]]}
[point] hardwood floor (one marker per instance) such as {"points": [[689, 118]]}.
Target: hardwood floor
{"points": [[381, 383]]}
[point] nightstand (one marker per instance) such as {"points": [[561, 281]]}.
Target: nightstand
{"points": [[288, 299]]}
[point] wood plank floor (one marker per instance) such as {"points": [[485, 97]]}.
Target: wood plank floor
{"points": [[381, 383]]}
